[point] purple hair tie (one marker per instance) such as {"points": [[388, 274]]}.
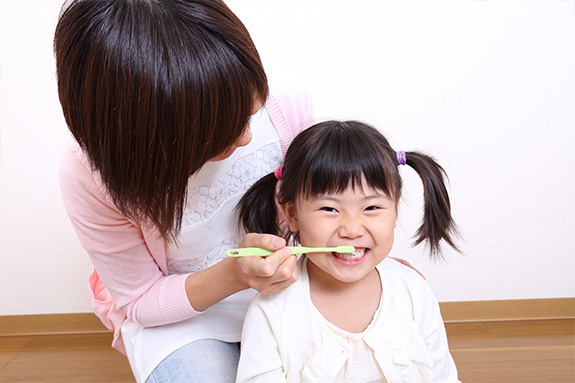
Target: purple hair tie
{"points": [[401, 158], [278, 172]]}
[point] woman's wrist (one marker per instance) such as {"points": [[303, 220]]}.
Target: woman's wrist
{"points": [[214, 284]]}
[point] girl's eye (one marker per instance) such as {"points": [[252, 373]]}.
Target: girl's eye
{"points": [[371, 208], [329, 209]]}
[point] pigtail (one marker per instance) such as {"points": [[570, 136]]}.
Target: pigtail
{"points": [[438, 224], [257, 209]]}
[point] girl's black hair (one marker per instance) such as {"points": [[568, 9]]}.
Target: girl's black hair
{"points": [[332, 155]]}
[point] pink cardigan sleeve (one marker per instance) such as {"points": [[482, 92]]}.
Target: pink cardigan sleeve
{"points": [[118, 249]]}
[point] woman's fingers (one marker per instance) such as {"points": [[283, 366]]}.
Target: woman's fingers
{"points": [[265, 241], [275, 279], [270, 266], [271, 274]]}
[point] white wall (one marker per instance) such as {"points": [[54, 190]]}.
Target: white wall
{"points": [[486, 87]]}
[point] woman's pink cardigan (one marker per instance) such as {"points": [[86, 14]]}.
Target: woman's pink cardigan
{"points": [[130, 278]]}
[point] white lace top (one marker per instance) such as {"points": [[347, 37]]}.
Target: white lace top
{"points": [[207, 232], [213, 193]]}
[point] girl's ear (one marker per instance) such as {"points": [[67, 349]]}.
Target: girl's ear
{"points": [[290, 216]]}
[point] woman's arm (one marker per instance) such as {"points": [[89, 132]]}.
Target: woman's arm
{"points": [[118, 249], [268, 275], [122, 256]]}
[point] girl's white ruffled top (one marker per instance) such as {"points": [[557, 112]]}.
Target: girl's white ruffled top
{"points": [[286, 339]]}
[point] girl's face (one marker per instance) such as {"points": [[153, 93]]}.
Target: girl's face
{"points": [[361, 217]]}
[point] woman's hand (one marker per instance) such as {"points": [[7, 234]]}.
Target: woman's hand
{"points": [[271, 274], [268, 275]]}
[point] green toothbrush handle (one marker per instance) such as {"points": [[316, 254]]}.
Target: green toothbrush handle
{"points": [[258, 251], [249, 251]]}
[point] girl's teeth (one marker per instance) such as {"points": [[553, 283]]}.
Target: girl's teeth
{"points": [[356, 254]]}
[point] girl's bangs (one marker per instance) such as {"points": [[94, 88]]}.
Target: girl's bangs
{"points": [[345, 158]]}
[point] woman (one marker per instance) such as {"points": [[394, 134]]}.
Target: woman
{"points": [[173, 120]]}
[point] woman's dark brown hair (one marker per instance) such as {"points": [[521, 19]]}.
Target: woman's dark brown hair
{"points": [[332, 155], [152, 90]]}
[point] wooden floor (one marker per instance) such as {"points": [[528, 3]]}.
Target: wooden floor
{"points": [[537, 351]]}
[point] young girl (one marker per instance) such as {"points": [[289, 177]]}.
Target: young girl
{"points": [[357, 317], [172, 120]]}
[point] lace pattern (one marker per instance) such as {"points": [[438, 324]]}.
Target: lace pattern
{"points": [[210, 207], [196, 264], [204, 200]]}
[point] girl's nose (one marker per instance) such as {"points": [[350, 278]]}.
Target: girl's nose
{"points": [[351, 228]]}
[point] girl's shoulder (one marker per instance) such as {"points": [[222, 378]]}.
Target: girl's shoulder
{"points": [[401, 280], [391, 268], [404, 288]]}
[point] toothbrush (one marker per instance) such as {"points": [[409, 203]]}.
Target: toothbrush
{"points": [[258, 251]]}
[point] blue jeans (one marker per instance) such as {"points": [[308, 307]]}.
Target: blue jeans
{"points": [[206, 361]]}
